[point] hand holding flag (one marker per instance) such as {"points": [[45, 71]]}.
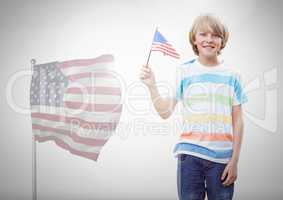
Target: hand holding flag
{"points": [[147, 76], [160, 44]]}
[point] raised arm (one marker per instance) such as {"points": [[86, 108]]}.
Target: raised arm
{"points": [[164, 106]]}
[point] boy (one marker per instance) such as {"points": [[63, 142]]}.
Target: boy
{"points": [[211, 94]]}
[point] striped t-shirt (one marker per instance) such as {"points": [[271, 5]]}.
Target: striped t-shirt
{"points": [[207, 95]]}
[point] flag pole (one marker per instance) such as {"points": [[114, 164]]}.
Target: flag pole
{"points": [[34, 169], [150, 48]]}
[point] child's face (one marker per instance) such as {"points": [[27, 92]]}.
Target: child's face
{"points": [[208, 43]]}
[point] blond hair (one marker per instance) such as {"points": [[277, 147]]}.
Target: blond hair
{"points": [[206, 23]]}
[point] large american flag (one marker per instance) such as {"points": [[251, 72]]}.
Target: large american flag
{"points": [[161, 44], [77, 104]]}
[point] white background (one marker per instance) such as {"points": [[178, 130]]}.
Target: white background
{"points": [[137, 162]]}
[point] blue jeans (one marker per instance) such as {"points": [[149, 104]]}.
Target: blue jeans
{"points": [[197, 176]]}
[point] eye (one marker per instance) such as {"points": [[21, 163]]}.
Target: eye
{"points": [[215, 35], [202, 33]]}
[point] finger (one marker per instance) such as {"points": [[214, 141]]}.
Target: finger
{"points": [[145, 70], [228, 180], [233, 179], [146, 66], [224, 173], [145, 74], [142, 75]]}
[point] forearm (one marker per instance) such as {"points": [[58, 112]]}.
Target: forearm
{"points": [[164, 106], [238, 129]]}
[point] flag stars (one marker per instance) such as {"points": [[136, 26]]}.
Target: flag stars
{"points": [[47, 88]]}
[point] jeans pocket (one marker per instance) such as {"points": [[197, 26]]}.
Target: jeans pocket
{"points": [[182, 157]]}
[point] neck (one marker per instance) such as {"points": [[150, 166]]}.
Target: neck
{"points": [[212, 61]]}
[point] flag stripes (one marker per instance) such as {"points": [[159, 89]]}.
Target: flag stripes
{"points": [[77, 104]]}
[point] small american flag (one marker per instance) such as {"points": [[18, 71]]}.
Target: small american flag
{"points": [[76, 104], [161, 44]]}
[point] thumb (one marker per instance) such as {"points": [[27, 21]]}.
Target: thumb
{"points": [[147, 66]]}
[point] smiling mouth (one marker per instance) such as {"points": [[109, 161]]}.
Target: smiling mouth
{"points": [[211, 47]]}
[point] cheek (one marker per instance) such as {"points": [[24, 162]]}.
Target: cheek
{"points": [[198, 40], [219, 43], [198, 43]]}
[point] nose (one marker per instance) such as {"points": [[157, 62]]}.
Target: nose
{"points": [[208, 37]]}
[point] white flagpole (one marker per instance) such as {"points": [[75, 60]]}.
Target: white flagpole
{"points": [[148, 57], [34, 169]]}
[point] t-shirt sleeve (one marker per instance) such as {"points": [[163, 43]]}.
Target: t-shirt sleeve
{"points": [[239, 95], [177, 87]]}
